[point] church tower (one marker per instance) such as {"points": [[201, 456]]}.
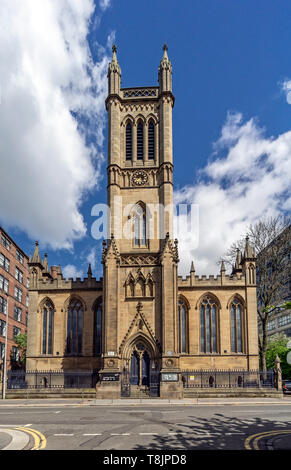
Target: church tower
{"points": [[140, 257]]}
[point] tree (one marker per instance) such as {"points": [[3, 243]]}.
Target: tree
{"points": [[270, 238], [21, 341], [277, 344]]}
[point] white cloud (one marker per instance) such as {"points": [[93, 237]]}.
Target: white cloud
{"points": [[47, 78], [250, 180], [93, 258], [104, 4], [71, 271], [286, 87]]}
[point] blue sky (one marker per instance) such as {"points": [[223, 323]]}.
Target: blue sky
{"points": [[231, 72]]}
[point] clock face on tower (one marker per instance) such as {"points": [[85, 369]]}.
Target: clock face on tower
{"points": [[139, 178]]}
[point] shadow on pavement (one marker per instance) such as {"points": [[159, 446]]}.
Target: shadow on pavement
{"points": [[219, 432]]}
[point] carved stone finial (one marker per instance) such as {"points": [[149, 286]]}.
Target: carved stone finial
{"points": [[192, 269], [89, 272], [222, 268], [35, 256], [165, 47], [114, 48], [139, 307]]}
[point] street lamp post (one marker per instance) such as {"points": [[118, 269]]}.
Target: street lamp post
{"points": [[5, 354]]}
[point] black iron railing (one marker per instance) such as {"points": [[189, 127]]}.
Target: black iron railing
{"points": [[33, 379], [227, 379]]}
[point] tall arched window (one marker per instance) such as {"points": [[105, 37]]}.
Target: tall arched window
{"points": [[98, 328], [74, 327], [183, 327], [139, 136], [236, 327], [251, 269], [128, 138], [151, 140], [208, 326], [47, 328], [140, 226]]}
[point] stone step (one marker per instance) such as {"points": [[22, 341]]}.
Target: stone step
{"points": [[139, 392]]}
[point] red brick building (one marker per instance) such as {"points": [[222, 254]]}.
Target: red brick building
{"points": [[14, 284]]}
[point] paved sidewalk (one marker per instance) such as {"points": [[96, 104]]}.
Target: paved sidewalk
{"points": [[285, 400]]}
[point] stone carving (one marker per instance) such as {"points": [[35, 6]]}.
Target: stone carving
{"points": [[139, 260]]}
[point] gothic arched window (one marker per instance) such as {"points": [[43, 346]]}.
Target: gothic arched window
{"points": [[183, 326], [98, 328], [128, 138], [208, 326], [139, 136], [236, 313], [151, 140], [140, 226], [251, 270], [139, 290], [47, 327], [150, 288], [74, 327]]}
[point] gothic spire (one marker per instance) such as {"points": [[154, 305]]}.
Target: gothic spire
{"points": [[165, 72], [248, 251], [192, 270], [114, 73], [89, 273], [165, 48], [45, 264], [222, 268], [238, 259], [35, 256]]}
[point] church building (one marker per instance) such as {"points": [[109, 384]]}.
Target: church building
{"points": [[142, 326]]}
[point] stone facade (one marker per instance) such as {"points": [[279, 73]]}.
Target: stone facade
{"points": [[152, 321]]}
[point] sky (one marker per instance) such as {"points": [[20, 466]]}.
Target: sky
{"points": [[231, 119]]}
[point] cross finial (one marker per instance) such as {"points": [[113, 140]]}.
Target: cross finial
{"points": [[165, 47], [114, 48]]}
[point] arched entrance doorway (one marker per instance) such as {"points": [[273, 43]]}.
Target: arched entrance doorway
{"points": [[140, 375], [140, 365]]}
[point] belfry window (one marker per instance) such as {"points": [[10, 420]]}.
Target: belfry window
{"points": [[128, 146], [74, 327], [208, 326], [151, 140], [140, 226], [47, 328], [182, 313], [140, 141], [98, 328], [236, 327]]}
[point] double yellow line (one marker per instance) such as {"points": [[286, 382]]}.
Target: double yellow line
{"points": [[39, 438], [252, 442]]}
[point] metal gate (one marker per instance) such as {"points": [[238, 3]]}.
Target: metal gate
{"points": [[155, 383], [125, 384]]}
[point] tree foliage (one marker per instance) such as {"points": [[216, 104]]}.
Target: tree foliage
{"points": [[21, 341], [277, 345], [271, 239]]}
